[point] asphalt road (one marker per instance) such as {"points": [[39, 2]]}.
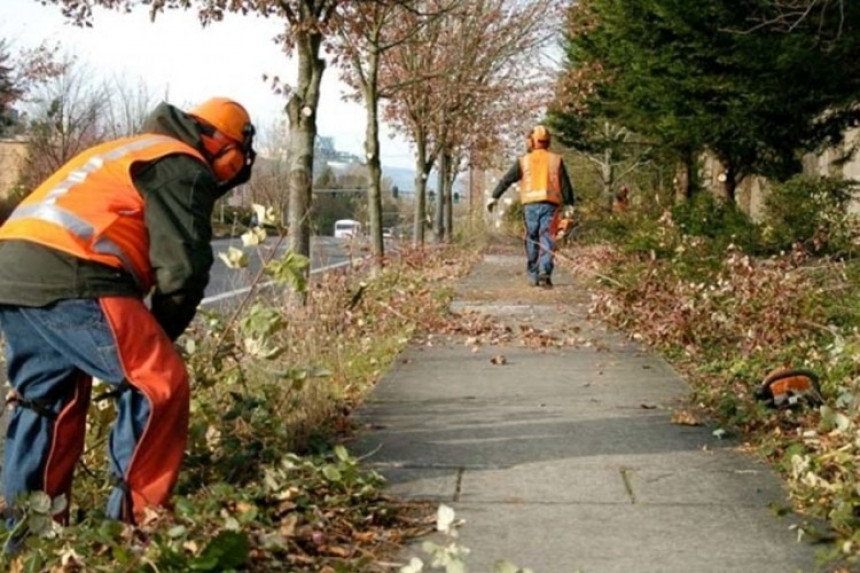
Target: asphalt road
{"points": [[225, 284]]}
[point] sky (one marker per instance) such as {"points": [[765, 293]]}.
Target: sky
{"points": [[184, 63]]}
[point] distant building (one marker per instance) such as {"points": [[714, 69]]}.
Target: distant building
{"points": [[326, 155], [324, 147]]}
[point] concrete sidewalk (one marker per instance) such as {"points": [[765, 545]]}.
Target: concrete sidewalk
{"points": [[564, 458]]}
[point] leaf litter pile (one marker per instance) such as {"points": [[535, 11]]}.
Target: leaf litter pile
{"points": [[726, 326]]}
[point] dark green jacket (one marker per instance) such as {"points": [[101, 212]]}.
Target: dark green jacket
{"points": [[179, 192]]}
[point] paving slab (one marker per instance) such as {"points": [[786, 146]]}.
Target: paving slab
{"points": [[564, 538], [563, 457]]}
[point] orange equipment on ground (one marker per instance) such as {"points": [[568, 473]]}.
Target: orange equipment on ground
{"points": [[785, 387]]}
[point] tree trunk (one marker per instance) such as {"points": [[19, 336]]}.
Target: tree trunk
{"points": [[606, 176], [475, 210], [302, 112], [448, 235], [731, 184], [439, 225], [420, 194], [681, 182], [374, 166], [684, 178]]}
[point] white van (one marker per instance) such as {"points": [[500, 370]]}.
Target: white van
{"points": [[346, 229]]}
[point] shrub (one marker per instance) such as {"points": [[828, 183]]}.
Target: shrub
{"points": [[707, 216], [812, 211], [649, 236]]}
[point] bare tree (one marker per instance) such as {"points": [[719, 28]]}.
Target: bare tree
{"points": [[615, 152], [370, 30], [20, 74], [65, 119], [480, 61], [128, 107], [413, 65]]}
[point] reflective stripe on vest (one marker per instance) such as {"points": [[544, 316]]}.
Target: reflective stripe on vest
{"points": [[95, 163], [51, 213], [541, 179], [90, 242]]}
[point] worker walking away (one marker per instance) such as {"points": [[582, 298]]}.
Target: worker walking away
{"points": [[544, 188], [123, 220]]}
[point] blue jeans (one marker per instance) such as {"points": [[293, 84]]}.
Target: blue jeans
{"points": [[51, 354], [539, 238]]}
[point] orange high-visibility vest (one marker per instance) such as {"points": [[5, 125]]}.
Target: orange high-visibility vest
{"points": [[90, 208], [541, 180]]}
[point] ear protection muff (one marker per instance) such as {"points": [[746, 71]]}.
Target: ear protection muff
{"points": [[226, 157], [228, 162]]}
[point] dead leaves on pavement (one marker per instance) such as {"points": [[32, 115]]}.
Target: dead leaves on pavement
{"points": [[478, 330], [684, 417]]}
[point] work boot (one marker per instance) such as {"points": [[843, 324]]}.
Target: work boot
{"points": [[544, 281]]}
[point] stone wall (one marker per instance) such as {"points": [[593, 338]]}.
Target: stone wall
{"points": [[835, 162], [851, 169], [13, 152]]}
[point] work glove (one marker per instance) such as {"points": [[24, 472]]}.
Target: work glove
{"points": [[491, 204]]}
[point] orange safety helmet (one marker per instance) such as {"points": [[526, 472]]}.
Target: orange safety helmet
{"points": [[229, 143], [538, 138]]}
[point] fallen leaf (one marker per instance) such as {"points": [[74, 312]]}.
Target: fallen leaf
{"points": [[335, 550], [191, 547], [150, 515], [285, 506], [685, 418], [288, 526], [364, 537]]}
